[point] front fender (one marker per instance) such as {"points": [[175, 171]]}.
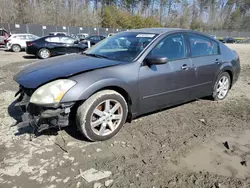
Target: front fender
{"points": [[82, 91], [104, 84]]}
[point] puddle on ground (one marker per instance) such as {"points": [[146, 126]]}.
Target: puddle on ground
{"points": [[215, 158]]}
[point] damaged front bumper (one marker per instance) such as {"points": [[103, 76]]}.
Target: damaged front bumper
{"points": [[42, 117]]}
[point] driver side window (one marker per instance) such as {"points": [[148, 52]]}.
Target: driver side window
{"points": [[173, 47]]}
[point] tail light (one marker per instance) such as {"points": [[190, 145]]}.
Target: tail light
{"points": [[237, 55], [6, 41], [30, 43]]}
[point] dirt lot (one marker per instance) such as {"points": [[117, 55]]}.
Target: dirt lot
{"points": [[179, 147]]}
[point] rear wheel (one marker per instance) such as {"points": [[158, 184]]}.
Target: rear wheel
{"points": [[44, 53], [102, 115], [222, 86], [16, 48]]}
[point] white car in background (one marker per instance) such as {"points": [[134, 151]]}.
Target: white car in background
{"points": [[17, 42]]}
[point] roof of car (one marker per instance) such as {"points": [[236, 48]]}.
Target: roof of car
{"points": [[58, 32], [155, 30], [21, 34]]}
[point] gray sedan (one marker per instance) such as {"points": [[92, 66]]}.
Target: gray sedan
{"points": [[123, 77]]}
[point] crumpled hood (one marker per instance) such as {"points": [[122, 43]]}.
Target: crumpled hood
{"points": [[44, 71]]}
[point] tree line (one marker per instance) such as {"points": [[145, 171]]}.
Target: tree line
{"points": [[127, 14]]}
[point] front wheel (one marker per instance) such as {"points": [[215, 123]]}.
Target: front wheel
{"points": [[102, 115], [221, 86]]}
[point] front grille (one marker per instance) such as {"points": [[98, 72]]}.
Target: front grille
{"points": [[24, 97], [34, 110]]}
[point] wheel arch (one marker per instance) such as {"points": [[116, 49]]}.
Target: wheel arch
{"points": [[106, 84], [231, 76], [229, 70], [16, 45], [126, 96]]}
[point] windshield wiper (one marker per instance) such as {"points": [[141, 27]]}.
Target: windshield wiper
{"points": [[96, 55]]}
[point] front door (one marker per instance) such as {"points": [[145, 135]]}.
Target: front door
{"points": [[167, 84]]}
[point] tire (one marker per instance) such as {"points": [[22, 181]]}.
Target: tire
{"points": [[86, 114], [44, 53], [16, 48], [217, 96]]}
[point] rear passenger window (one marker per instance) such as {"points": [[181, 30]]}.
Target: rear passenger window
{"points": [[53, 39], [22, 37], [202, 46], [215, 48]]}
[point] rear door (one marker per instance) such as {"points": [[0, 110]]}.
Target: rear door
{"points": [[55, 45], [22, 40], [70, 46], [206, 59], [31, 37]]}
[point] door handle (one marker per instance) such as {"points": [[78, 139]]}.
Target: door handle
{"points": [[184, 67], [217, 61]]}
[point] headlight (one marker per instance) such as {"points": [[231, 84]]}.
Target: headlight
{"points": [[52, 92]]}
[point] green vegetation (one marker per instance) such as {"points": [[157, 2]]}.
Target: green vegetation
{"points": [[115, 18]]}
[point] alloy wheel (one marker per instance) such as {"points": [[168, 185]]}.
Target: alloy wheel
{"points": [[44, 53], [222, 87], [16, 48], [106, 117]]}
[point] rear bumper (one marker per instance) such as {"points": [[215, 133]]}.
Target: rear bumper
{"points": [[43, 117], [31, 50], [8, 46]]}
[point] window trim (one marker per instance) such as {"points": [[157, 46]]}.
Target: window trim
{"points": [[199, 35], [169, 35], [49, 38]]}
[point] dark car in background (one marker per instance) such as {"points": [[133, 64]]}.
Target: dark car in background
{"points": [[228, 40], [48, 46], [93, 39], [123, 77]]}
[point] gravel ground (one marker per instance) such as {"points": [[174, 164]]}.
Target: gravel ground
{"points": [[198, 144]]}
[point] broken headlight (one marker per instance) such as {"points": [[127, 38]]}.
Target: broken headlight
{"points": [[52, 92]]}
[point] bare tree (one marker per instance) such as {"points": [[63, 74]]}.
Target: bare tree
{"points": [[196, 14]]}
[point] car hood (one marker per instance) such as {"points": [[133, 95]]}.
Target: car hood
{"points": [[44, 71]]}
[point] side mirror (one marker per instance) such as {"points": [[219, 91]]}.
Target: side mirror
{"points": [[156, 60], [76, 42]]}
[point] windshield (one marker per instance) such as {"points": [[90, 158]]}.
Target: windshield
{"points": [[123, 46]]}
